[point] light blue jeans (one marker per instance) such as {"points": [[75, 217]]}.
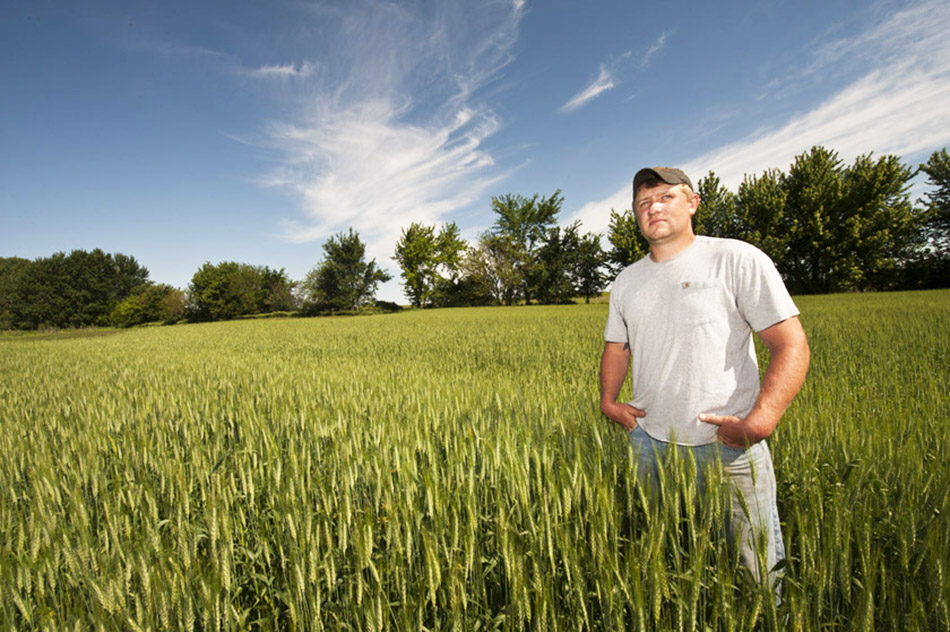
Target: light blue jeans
{"points": [[754, 511]]}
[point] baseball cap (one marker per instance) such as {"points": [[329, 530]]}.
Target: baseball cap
{"points": [[669, 175]]}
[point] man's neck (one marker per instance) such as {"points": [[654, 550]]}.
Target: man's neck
{"points": [[665, 251]]}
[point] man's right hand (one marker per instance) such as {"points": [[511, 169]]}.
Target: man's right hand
{"points": [[623, 414]]}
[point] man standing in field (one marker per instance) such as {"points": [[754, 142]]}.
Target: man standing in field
{"points": [[684, 315]]}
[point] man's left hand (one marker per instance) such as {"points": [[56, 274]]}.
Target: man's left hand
{"points": [[733, 431]]}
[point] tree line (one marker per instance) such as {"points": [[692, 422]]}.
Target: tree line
{"points": [[828, 226]]}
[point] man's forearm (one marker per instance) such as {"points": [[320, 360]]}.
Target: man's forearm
{"points": [[788, 365], [613, 371]]}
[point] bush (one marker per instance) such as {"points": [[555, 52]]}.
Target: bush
{"points": [[156, 303]]}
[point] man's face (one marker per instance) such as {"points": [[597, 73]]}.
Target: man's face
{"points": [[664, 213]]}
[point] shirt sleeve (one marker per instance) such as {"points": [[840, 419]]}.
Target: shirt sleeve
{"points": [[616, 329], [762, 297]]}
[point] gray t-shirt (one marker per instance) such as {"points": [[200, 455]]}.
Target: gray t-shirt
{"points": [[689, 322]]}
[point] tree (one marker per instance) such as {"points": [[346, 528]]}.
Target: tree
{"points": [[716, 215], [937, 203], [448, 280], [75, 290], [813, 211], [524, 222], [494, 267], [343, 280], [931, 265], [429, 261], [156, 303], [883, 229], [627, 243], [849, 228], [129, 277], [230, 289], [277, 291], [223, 291], [40, 295], [416, 253], [760, 210], [10, 270], [589, 278], [552, 279]]}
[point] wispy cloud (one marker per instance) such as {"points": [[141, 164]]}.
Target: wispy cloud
{"points": [[897, 105], [607, 77], [598, 86], [284, 71], [659, 45], [392, 131], [364, 168]]}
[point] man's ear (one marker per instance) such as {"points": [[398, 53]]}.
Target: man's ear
{"points": [[694, 204]]}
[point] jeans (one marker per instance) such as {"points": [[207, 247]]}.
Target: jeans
{"points": [[754, 510]]}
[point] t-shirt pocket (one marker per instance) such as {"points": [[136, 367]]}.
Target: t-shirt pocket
{"points": [[699, 302]]}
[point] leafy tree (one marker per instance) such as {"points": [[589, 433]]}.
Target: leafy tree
{"points": [[494, 267], [42, 294], [760, 210], [930, 267], [626, 241], [524, 223], [129, 277], [156, 303], [429, 261], [277, 291], [716, 215], [343, 280], [230, 289], [883, 228], [937, 203], [464, 289], [75, 290], [448, 280], [223, 291], [552, 280], [174, 306], [589, 278], [849, 228], [814, 191], [10, 270], [417, 254], [525, 220]]}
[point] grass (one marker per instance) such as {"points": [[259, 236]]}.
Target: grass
{"points": [[449, 469]]}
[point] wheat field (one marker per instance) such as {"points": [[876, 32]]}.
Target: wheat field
{"points": [[449, 470]]}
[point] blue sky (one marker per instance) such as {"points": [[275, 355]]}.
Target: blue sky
{"points": [[185, 132]]}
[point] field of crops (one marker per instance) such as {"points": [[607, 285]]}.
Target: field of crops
{"points": [[449, 470]]}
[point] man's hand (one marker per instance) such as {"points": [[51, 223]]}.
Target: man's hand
{"points": [[734, 432], [613, 371], [788, 365], [622, 414]]}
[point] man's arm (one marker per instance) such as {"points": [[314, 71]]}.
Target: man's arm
{"points": [[613, 371], [784, 376]]}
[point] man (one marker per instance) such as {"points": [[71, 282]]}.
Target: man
{"points": [[684, 315]]}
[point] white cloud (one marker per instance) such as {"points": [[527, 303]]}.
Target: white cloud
{"points": [[601, 84], [363, 168], [898, 105], [881, 112], [659, 45], [595, 215], [283, 71], [391, 133]]}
